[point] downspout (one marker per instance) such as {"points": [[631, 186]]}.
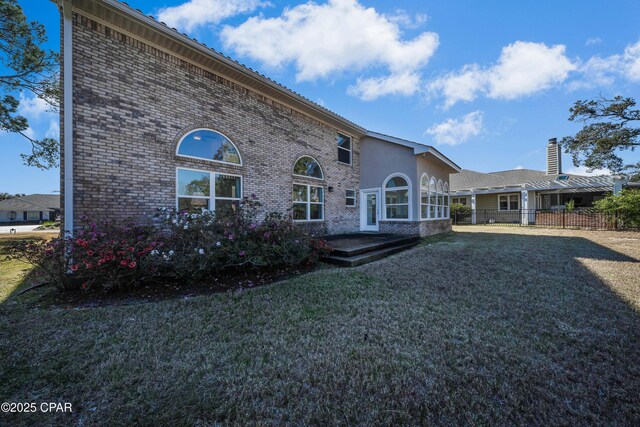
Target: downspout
{"points": [[67, 63]]}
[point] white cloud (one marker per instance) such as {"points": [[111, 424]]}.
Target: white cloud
{"points": [[39, 115], [403, 19], [631, 60], [457, 131], [522, 69], [54, 129], [593, 40], [582, 170], [603, 71], [519, 167], [396, 84], [196, 13], [33, 108], [29, 132], [525, 68], [338, 36]]}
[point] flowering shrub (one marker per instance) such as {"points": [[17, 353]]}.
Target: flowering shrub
{"points": [[188, 247], [100, 254], [206, 243]]}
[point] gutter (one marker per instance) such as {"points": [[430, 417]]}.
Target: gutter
{"points": [[67, 63]]}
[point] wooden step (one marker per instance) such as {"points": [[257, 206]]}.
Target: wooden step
{"points": [[364, 247], [369, 256]]}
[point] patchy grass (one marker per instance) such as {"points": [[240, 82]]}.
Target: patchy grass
{"points": [[12, 273], [487, 325]]}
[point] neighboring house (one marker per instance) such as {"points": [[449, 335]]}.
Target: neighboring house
{"points": [[493, 196], [160, 120], [33, 208]]}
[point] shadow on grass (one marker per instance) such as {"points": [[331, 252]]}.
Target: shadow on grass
{"points": [[472, 328]]}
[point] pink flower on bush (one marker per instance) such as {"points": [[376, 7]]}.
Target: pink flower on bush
{"points": [[231, 237], [90, 252], [123, 263], [74, 267], [132, 264], [242, 253]]}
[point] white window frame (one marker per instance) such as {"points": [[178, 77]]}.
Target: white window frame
{"points": [[409, 201], [308, 203], [307, 176], [509, 196], [439, 200], [350, 150], [447, 200], [433, 193], [355, 197], [212, 187], [424, 189], [205, 159]]}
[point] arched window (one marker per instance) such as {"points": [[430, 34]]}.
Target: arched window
{"points": [[424, 196], [396, 197], [209, 145], [308, 167], [446, 200], [433, 194], [440, 200]]}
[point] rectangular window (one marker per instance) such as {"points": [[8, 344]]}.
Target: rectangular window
{"points": [[33, 216], [344, 149], [461, 200], [308, 202], [397, 204], [195, 191], [424, 203], [432, 204], [509, 202], [350, 196]]}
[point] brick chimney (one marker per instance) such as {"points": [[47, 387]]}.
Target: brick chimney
{"points": [[554, 157]]}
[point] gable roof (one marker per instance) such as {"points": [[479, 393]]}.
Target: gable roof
{"points": [[418, 148], [133, 22], [468, 180], [32, 202]]}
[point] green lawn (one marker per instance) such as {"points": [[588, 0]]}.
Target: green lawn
{"points": [[488, 325]]}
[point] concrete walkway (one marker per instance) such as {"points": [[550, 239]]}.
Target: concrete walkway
{"points": [[4, 229]]}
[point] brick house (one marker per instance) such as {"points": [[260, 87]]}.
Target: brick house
{"points": [[160, 120]]}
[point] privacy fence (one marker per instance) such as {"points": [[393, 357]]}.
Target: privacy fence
{"points": [[587, 219]]}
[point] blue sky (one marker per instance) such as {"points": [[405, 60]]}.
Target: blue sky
{"points": [[486, 82]]}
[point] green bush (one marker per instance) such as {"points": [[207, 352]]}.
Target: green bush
{"points": [[570, 205], [625, 207], [459, 208]]}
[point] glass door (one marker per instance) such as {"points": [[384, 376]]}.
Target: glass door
{"points": [[369, 210]]}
